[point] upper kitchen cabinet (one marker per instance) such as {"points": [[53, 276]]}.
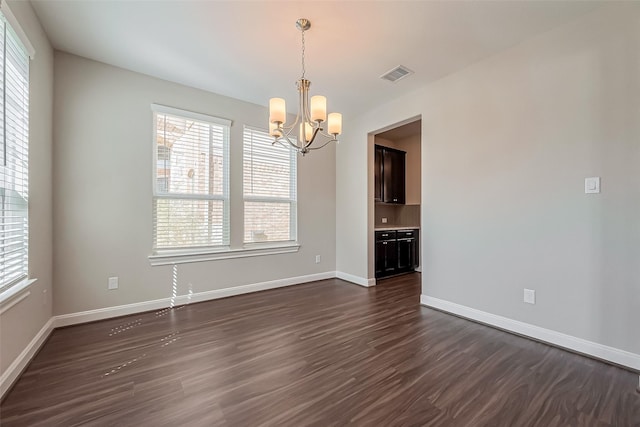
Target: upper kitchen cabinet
{"points": [[377, 191], [389, 178]]}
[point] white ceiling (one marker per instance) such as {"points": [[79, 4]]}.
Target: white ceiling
{"points": [[251, 50]]}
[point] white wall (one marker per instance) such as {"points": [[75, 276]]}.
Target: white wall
{"points": [[507, 144], [103, 204], [20, 324]]}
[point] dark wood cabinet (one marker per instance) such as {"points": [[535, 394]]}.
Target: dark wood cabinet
{"points": [[393, 188], [389, 175], [396, 252], [407, 243], [386, 258], [377, 192]]}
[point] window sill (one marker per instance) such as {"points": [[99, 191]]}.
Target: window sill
{"points": [[180, 257], [15, 294]]}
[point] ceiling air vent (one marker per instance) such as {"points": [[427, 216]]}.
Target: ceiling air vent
{"points": [[396, 74]]}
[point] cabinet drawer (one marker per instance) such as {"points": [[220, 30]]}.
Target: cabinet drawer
{"points": [[407, 234], [385, 235]]}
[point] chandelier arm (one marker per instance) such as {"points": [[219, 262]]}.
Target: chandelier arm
{"points": [[286, 130], [296, 121], [279, 142], [327, 135], [326, 143], [297, 147], [313, 137], [286, 138], [304, 100]]}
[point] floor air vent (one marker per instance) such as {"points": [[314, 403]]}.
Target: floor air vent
{"points": [[396, 74]]}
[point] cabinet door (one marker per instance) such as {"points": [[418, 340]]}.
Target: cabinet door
{"points": [[386, 258], [394, 176], [415, 251], [391, 257], [406, 254], [380, 258], [377, 190]]}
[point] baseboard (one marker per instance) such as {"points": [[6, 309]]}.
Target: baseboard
{"points": [[599, 351], [124, 310], [367, 283], [20, 363]]}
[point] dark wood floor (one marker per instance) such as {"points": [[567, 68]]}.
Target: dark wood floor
{"points": [[325, 353]]}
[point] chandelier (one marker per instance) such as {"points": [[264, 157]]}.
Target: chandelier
{"points": [[312, 114]]}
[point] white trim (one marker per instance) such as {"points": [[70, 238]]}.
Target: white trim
{"points": [[13, 301], [17, 28], [367, 283], [16, 291], [185, 196], [123, 310], [163, 109], [14, 370], [611, 354], [169, 258]]}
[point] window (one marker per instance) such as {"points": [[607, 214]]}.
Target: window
{"points": [[270, 194], [14, 155], [191, 180]]}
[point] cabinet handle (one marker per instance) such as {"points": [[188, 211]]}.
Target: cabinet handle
{"points": [[384, 243], [395, 200]]}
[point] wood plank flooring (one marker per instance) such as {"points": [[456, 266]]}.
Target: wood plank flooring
{"points": [[326, 353]]}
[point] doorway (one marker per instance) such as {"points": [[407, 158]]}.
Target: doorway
{"points": [[396, 201]]}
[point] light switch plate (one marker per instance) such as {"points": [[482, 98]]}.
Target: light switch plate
{"points": [[592, 185], [113, 283]]}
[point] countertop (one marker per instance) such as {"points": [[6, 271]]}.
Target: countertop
{"points": [[390, 228]]}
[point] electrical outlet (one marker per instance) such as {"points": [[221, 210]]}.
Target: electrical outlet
{"points": [[529, 296], [384, 220], [113, 283], [318, 259], [592, 185]]}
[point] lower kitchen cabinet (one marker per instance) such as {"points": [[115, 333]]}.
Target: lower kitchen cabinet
{"points": [[396, 252], [386, 253]]}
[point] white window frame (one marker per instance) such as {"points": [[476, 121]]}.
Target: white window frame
{"points": [[16, 291], [292, 200], [177, 252], [180, 256]]}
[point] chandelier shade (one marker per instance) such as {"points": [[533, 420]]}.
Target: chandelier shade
{"points": [[309, 125]]}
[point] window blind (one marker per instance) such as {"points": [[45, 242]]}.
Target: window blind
{"points": [[270, 189], [14, 157], [191, 180]]}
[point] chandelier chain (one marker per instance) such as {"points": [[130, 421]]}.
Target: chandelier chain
{"points": [[303, 70]]}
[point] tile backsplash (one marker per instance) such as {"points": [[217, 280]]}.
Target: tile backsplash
{"points": [[397, 215]]}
